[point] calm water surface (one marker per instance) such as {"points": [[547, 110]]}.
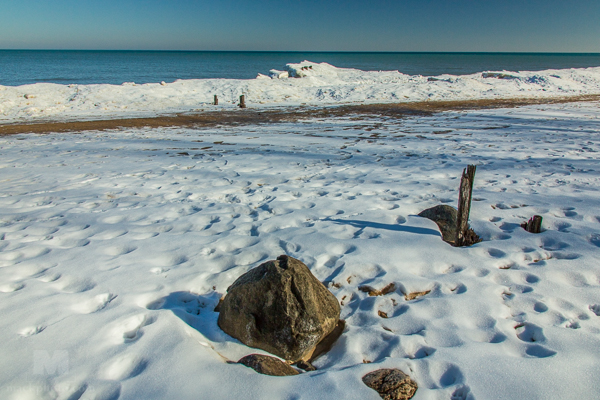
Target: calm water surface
{"points": [[19, 67]]}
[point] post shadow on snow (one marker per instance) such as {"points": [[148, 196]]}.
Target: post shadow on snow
{"points": [[362, 225]]}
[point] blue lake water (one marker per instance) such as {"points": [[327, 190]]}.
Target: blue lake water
{"points": [[19, 67]]}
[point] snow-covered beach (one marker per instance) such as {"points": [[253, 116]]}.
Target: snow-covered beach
{"points": [[302, 84], [116, 245]]}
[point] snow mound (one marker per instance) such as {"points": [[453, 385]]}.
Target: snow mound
{"points": [[321, 84]]}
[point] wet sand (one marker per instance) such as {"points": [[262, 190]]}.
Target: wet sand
{"points": [[260, 116]]}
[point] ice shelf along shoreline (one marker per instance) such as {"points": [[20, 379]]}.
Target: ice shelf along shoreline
{"points": [[305, 83]]}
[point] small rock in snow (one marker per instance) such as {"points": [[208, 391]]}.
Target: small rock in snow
{"points": [[391, 384], [267, 365]]}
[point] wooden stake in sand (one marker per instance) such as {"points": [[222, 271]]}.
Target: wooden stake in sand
{"points": [[464, 206], [242, 101], [216, 101], [534, 225]]}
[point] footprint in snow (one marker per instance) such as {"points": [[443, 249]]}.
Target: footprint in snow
{"points": [[529, 332], [531, 278], [123, 367], [11, 287], [449, 374], [339, 249], [71, 284], [509, 227], [129, 329], [31, 330], [326, 260], [142, 235], [572, 324], [119, 250], [538, 351], [552, 244], [450, 269], [463, 392], [168, 260], [109, 234], [68, 242], [50, 277], [540, 307], [94, 304], [9, 258], [74, 390], [115, 219], [459, 288], [495, 253], [562, 226], [422, 352], [595, 239], [250, 257]]}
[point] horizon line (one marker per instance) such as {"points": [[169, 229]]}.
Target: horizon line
{"points": [[318, 51]]}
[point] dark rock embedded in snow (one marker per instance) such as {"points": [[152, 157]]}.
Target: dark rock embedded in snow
{"points": [[391, 384], [445, 218], [305, 365], [267, 365], [279, 307]]}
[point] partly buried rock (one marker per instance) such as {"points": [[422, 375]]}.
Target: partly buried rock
{"points": [[267, 365], [305, 365], [391, 384], [279, 307], [445, 217]]}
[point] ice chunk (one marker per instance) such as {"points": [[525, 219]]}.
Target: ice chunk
{"points": [[276, 74]]}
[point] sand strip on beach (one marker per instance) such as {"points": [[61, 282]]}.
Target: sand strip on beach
{"points": [[258, 116]]}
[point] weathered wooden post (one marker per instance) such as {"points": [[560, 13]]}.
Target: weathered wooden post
{"points": [[464, 205], [216, 101], [534, 225], [242, 101]]}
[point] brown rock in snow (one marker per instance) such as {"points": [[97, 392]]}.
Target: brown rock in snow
{"points": [[279, 307], [391, 384], [267, 365]]}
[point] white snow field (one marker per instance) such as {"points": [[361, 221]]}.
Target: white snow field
{"points": [[309, 83], [115, 247]]}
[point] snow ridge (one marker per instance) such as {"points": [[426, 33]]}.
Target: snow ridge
{"points": [[305, 83]]}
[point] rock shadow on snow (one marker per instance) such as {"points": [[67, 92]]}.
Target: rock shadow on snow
{"points": [[197, 311]]}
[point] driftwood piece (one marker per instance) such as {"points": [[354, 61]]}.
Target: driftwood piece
{"points": [[242, 101], [216, 101], [414, 295], [464, 206], [374, 292], [534, 225]]}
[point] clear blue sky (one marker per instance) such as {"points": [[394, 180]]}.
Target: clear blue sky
{"points": [[303, 25]]}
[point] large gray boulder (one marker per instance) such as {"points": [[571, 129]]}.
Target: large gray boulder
{"points": [[279, 307]]}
